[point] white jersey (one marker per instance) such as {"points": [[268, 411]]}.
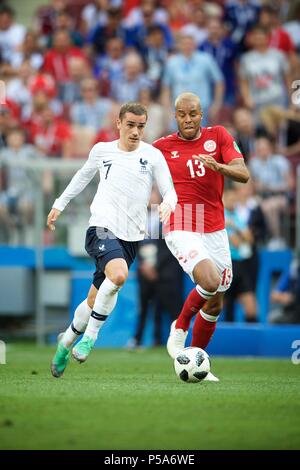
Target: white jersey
{"points": [[123, 193]]}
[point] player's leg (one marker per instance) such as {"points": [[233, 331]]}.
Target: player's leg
{"points": [[205, 325], [206, 321], [116, 272], [192, 255], [76, 329], [207, 282]]}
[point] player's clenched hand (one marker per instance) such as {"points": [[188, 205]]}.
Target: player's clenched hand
{"points": [[208, 160], [52, 217], [165, 211]]}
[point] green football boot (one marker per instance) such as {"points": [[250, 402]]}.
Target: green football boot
{"points": [[60, 360], [83, 348]]}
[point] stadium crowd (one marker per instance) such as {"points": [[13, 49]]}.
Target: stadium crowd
{"points": [[66, 76]]}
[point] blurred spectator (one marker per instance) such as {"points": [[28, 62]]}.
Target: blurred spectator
{"points": [[284, 124], [264, 74], [246, 131], [109, 67], [198, 27], [109, 131], [157, 116], [18, 89], [9, 118], [16, 196], [159, 276], [248, 208], [56, 61], [286, 296], [70, 91], [156, 54], [225, 52], [136, 15], [197, 72], [278, 38], [240, 241], [94, 14], [51, 135], [293, 27], [91, 110], [46, 18], [132, 82], [30, 51], [178, 15], [274, 183], [11, 34], [136, 36], [65, 21], [239, 17], [99, 36]]}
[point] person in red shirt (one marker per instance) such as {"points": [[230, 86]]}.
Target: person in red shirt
{"points": [[279, 38], [198, 159], [52, 136], [56, 60]]}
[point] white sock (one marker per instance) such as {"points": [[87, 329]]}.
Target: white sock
{"points": [[105, 302], [78, 325]]}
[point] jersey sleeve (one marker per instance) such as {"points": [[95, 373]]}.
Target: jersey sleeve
{"points": [[164, 180], [79, 181], [229, 148]]}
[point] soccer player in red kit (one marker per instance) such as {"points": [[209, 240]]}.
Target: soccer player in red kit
{"points": [[198, 159]]}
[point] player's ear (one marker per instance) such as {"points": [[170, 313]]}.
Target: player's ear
{"points": [[119, 124]]}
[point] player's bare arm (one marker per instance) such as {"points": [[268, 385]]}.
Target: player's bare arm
{"points": [[235, 170], [52, 217]]}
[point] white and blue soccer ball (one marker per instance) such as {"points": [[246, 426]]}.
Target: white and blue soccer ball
{"points": [[192, 364]]}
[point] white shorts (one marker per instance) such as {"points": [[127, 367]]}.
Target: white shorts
{"points": [[191, 247]]}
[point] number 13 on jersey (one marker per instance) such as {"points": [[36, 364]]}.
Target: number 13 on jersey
{"points": [[200, 168]]}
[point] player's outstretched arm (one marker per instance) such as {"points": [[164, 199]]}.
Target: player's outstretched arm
{"points": [[235, 170], [78, 182], [52, 217]]}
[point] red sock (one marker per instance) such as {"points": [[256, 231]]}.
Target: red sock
{"points": [[202, 331], [191, 306]]}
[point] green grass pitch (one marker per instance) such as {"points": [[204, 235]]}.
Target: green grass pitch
{"points": [[133, 400]]}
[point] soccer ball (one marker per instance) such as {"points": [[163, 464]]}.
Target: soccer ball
{"points": [[192, 364]]}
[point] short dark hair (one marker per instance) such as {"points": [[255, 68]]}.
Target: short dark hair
{"points": [[257, 28], [135, 108], [6, 9]]}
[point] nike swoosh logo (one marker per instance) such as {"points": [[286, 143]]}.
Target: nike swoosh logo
{"points": [[106, 161]]}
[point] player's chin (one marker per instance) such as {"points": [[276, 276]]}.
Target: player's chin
{"points": [[189, 134]]}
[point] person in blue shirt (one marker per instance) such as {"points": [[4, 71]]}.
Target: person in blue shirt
{"points": [[286, 294], [240, 241], [225, 53], [196, 72], [239, 17]]}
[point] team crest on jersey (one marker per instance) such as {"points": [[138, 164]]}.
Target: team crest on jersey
{"points": [[144, 164], [210, 145], [175, 154]]}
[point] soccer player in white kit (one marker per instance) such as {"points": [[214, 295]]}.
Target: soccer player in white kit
{"points": [[128, 168]]}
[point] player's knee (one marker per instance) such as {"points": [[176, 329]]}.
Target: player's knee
{"points": [[91, 299], [215, 310], [211, 284], [118, 277]]}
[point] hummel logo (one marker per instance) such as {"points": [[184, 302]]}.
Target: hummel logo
{"points": [[102, 247], [175, 154]]}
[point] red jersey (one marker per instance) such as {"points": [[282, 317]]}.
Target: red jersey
{"points": [[199, 189]]}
